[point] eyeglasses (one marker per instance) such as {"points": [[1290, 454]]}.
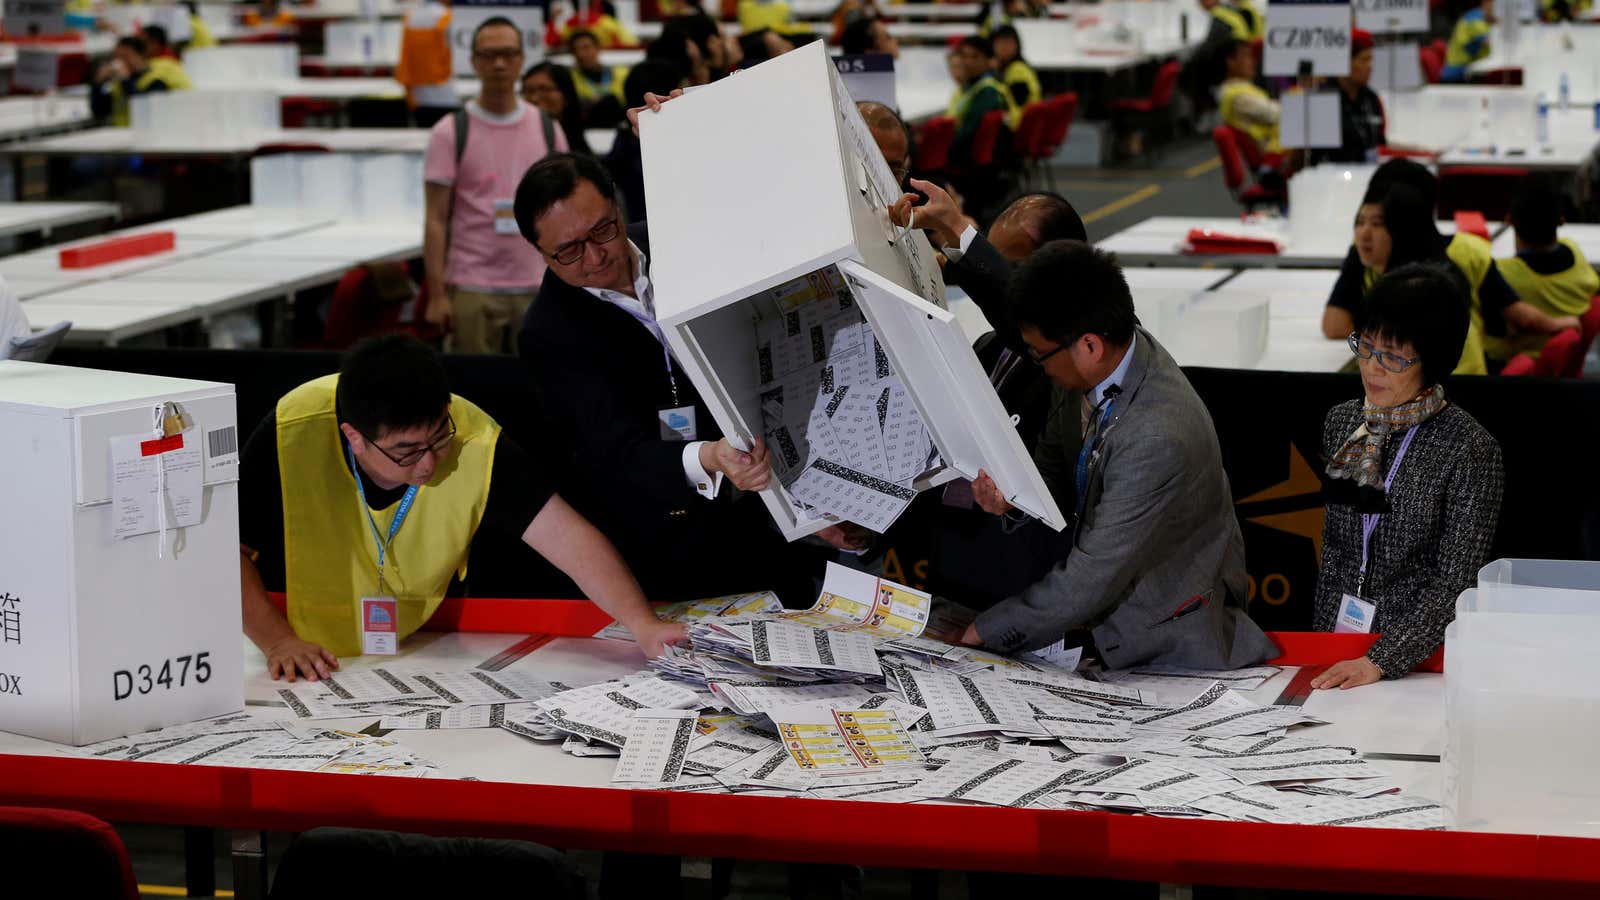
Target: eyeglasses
{"points": [[502, 55], [1390, 361], [572, 251], [1040, 359], [437, 448]]}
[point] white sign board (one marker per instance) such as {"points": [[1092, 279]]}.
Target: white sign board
{"points": [[1396, 67], [1314, 32], [1316, 126], [464, 20], [1391, 16], [36, 70], [24, 18], [868, 77]]}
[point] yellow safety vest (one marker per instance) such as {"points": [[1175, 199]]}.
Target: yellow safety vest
{"points": [[1235, 22], [1265, 136], [159, 68], [755, 16], [1019, 72], [200, 34], [1561, 294], [1255, 23], [1470, 27], [1471, 256], [589, 93], [963, 98], [330, 553]]}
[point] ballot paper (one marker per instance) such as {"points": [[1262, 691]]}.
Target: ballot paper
{"points": [[751, 700], [792, 645], [1079, 726], [604, 712], [1255, 802], [695, 610], [720, 748], [1220, 712], [481, 716], [773, 768], [476, 687], [1165, 681], [857, 600], [320, 707], [1066, 684], [658, 745], [990, 778], [1389, 811], [847, 440], [368, 684], [958, 704], [845, 742]]}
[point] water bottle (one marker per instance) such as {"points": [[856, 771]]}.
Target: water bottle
{"points": [[1542, 124], [1564, 97], [366, 48]]}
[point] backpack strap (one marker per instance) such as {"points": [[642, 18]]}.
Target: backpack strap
{"points": [[549, 126]]}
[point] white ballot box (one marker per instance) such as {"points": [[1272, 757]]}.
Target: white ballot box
{"points": [[1207, 328], [119, 552], [1522, 700], [803, 315]]}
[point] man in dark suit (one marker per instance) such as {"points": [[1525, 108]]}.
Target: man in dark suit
{"points": [[971, 558], [644, 457], [1155, 572]]}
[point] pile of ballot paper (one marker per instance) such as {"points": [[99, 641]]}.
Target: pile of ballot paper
{"points": [[862, 696], [845, 438]]}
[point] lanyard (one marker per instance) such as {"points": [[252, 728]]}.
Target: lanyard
{"points": [[644, 317], [1369, 521], [394, 526], [1090, 446]]}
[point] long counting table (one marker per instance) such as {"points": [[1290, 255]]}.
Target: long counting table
{"points": [[536, 792]]}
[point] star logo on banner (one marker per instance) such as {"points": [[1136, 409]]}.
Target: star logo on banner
{"points": [[1295, 503]]}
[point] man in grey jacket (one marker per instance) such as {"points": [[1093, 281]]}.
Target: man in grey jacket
{"points": [[1156, 568]]}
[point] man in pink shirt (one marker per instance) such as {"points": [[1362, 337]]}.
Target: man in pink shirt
{"points": [[481, 273]]}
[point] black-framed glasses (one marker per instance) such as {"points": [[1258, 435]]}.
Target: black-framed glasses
{"points": [[572, 251], [1392, 362], [415, 456], [1040, 359]]}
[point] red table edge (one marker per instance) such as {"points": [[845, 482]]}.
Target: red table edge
{"points": [[807, 829]]}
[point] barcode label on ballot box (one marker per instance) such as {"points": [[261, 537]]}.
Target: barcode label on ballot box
{"points": [[222, 448]]}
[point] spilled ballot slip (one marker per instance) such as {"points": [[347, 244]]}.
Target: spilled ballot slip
{"points": [[695, 610], [958, 704], [658, 746], [491, 715], [856, 600], [845, 742], [796, 646]]}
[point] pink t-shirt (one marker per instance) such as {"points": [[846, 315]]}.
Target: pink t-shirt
{"points": [[499, 150]]}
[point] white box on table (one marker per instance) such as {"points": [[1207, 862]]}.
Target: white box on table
{"points": [[234, 63], [100, 637], [1522, 700], [799, 188], [1227, 330]]}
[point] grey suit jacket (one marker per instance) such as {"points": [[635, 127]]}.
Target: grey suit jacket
{"points": [[1157, 569]]}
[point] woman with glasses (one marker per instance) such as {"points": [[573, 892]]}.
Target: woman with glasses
{"points": [[1413, 482]]}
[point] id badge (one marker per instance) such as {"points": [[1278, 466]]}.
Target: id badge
{"points": [[380, 626], [678, 424], [505, 217], [1355, 616]]}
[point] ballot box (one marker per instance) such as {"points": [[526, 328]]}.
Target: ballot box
{"points": [[803, 315], [119, 552], [1522, 700]]}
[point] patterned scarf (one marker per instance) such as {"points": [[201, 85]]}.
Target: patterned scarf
{"points": [[1360, 457]]}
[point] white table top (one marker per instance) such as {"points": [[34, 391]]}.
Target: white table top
{"points": [[1402, 716], [1192, 279], [1156, 241], [116, 141], [100, 323], [1587, 237], [23, 117], [1560, 155], [1292, 293], [24, 218], [343, 88], [931, 31], [149, 290]]}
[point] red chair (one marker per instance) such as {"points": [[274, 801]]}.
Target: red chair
{"points": [[933, 144], [75, 855], [1151, 113], [1521, 364], [1559, 355], [361, 307], [1059, 112], [1235, 174], [1035, 117], [298, 110], [1591, 328], [986, 140]]}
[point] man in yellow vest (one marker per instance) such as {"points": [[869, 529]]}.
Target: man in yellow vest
{"points": [[130, 71], [1228, 22], [1014, 72], [1242, 103], [1549, 272], [978, 92], [1469, 42], [599, 86], [362, 494]]}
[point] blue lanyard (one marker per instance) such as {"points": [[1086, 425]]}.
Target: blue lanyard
{"points": [[399, 514], [1089, 447], [1369, 521]]}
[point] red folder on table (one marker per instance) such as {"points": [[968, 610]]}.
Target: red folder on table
{"points": [[1205, 242]]}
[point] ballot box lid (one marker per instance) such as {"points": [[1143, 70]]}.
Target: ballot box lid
{"points": [[41, 389], [745, 183], [934, 359]]}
